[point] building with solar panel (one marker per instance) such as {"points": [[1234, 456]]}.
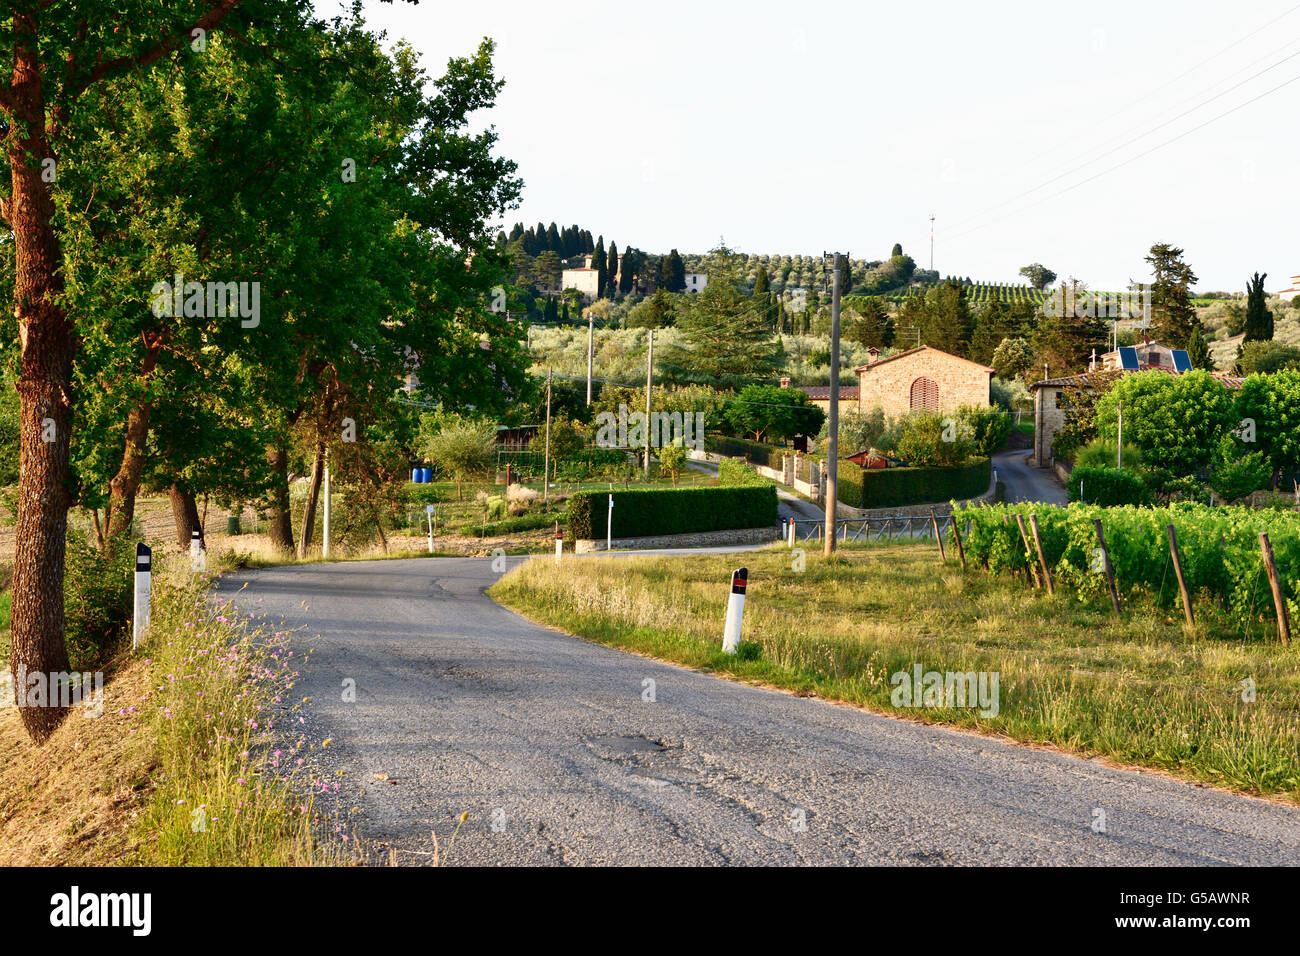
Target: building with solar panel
{"points": [[1052, 395]]}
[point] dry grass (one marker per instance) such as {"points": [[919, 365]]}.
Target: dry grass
{"points": [[76, 800]]}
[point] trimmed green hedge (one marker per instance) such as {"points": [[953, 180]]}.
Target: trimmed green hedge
{"points": [[754, 452], [656, 511], [1109, 487], [732, 473], [898, 487]]}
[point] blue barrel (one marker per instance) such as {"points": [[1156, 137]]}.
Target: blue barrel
{"points": [[415, 475], [426, 475]]}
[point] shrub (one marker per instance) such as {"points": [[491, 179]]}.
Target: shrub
{"points": [[97, 598], [989, 428], [752, 451], [520, 499], [929, 438], [1237, 477], [1103, 454], [656, 511], [672, 459], [896, 487], [1109, 486], [733, 473]]}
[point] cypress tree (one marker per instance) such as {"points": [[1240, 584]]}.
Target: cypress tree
{"points": [[611, 269], [1259, 321]]}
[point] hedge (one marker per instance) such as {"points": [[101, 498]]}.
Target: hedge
{"points": [[756, 453], [898, 487], [733, 473], [656, 511], [1109, 487]]}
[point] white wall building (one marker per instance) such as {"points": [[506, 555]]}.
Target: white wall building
{"points": [[1289, 294], [584, 280], [696, 281]]}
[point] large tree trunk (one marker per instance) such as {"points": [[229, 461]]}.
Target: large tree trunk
{"points": [[47, 342], [185, 513], [313, 496], [125, 485], [281, 530]]}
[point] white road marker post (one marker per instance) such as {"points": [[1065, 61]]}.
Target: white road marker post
{"points": [[428, 513], [735, 611], [559, 542], [609, 526], [198, 555], [792, 527], [143, 582]]}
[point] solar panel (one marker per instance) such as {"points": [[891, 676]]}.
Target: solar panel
{"points": [[1128, 358], [1182, 361]]}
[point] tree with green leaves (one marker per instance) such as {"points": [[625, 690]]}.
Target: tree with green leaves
{"points": [[762, 285], [873, 327], [611, 271], [1038, 275], [1198, 350], [945, 317], [993, 324], [1012, 358], [769, 412], [725, 337], [1069, 331], [1259, 321], [672, 273], [1172, 314], [598, 262]]}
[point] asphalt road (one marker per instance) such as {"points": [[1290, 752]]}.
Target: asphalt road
{"points": [[550, 745], [1025, 482]]}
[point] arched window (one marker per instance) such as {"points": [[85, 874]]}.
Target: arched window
{"points": [[925, 395]]}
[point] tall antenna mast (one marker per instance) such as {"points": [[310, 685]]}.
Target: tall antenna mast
{"points": [[931, 242]]}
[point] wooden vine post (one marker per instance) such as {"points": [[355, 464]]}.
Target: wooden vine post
{"points": [[1182, 582], [1042, 560], [938, 536], [1110, 570], [1029, 554], [956, 536], [1279, 602]]}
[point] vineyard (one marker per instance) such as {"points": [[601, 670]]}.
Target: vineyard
{"points": [[980, 293], [1219, 551]]}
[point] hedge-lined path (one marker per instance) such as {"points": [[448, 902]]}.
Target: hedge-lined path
{"points": [[552, 747], [788, 505]]}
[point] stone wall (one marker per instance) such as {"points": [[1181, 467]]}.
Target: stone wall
{"points": [[888, 383], [703, 539]]}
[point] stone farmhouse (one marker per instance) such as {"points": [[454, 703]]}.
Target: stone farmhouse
{"points": [[922, 379]]}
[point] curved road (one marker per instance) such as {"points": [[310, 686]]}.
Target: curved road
{"points": [[1026, 482], [554, 749]]}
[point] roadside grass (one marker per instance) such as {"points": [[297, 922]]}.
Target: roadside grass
{"points": [[199, 718], [1139, 691]]}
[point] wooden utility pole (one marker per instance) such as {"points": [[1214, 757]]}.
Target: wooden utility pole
{"points": [[546, 461], [591, 339], [833, 420], [649, 387]]}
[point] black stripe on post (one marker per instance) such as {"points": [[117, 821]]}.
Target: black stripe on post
{"points": [[143, 557], [739, 578]]}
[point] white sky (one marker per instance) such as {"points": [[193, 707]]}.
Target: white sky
{"points": [[811, 126]]}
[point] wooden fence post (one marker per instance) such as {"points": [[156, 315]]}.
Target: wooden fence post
{"points": [[956, 536], [1182, 582], [1279, 602], [1110, 570], [1038, 545], [938, 536]]}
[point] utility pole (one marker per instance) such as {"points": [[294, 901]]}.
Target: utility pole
{"points": [[1119, 439], [546, 460], [833, 421], [591, 338], [649, 386], [931, 242]]}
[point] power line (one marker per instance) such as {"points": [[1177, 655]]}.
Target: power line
{"points": [[1133, 159], [1078, 166]]}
